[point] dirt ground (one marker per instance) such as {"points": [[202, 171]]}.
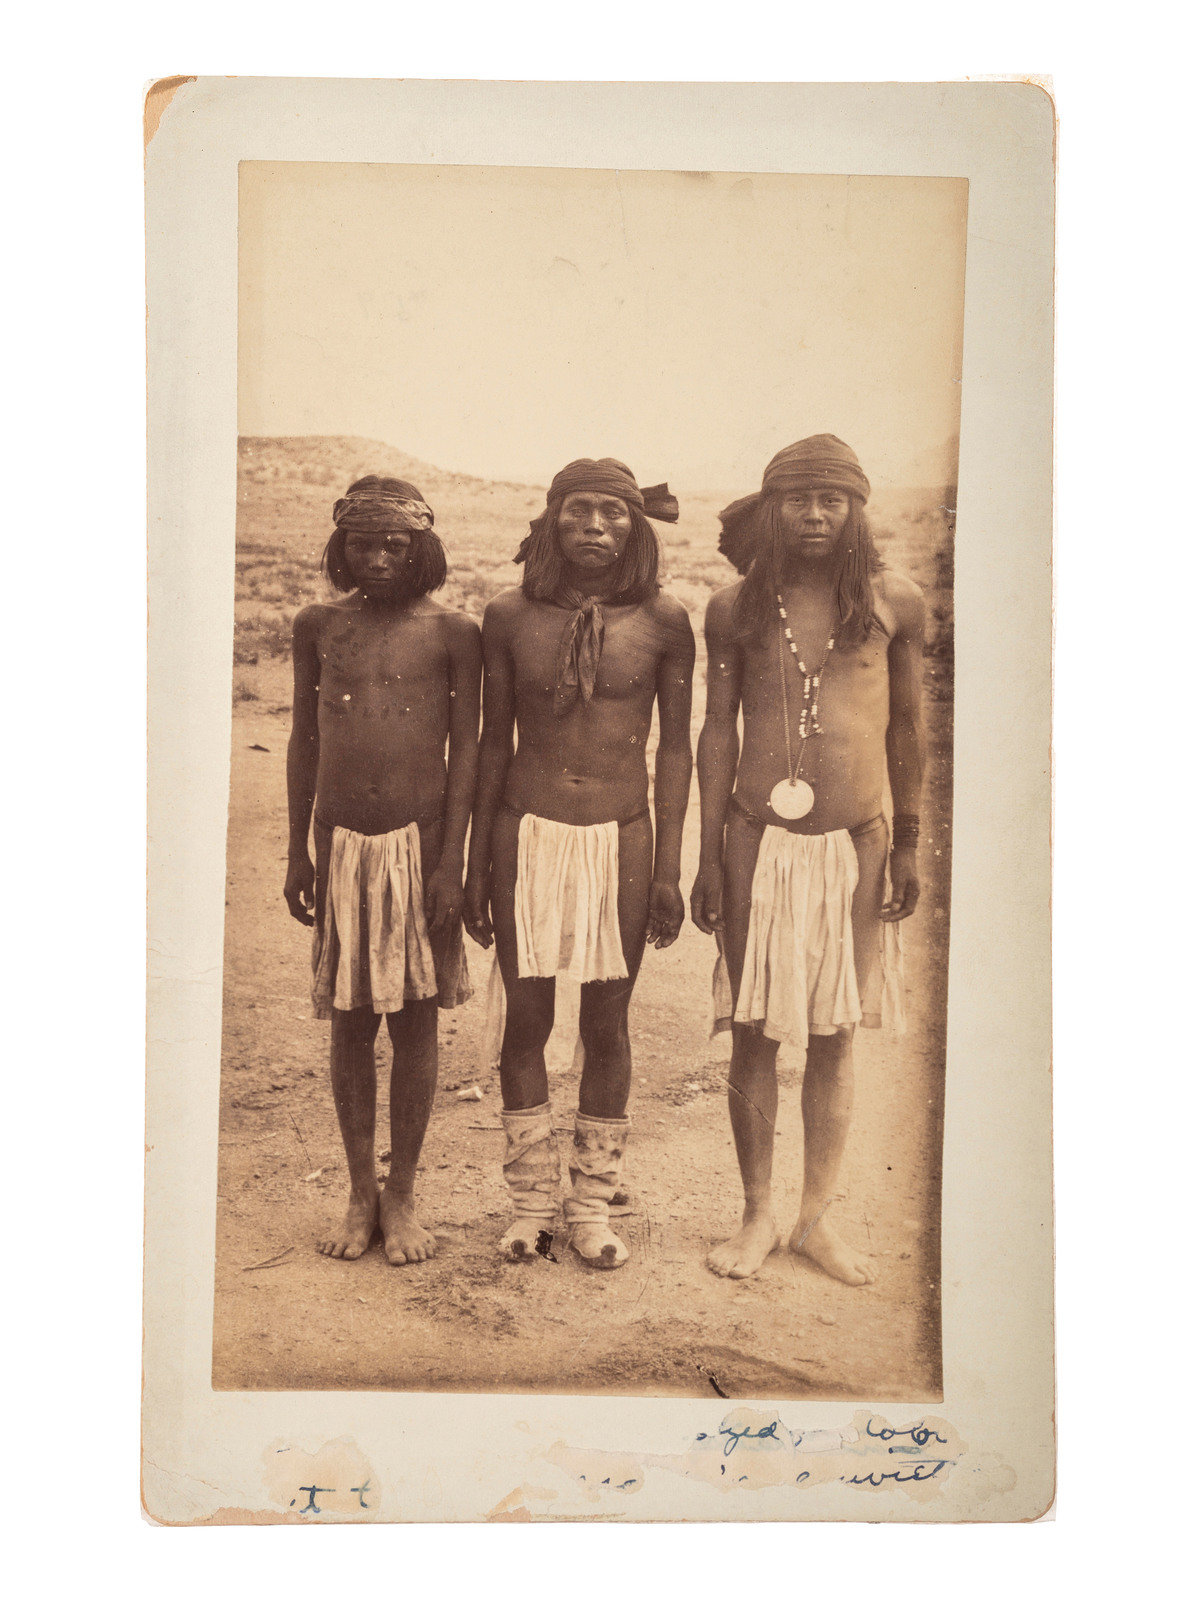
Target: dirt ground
{"points": [[466, 1321], [287, 1318]]}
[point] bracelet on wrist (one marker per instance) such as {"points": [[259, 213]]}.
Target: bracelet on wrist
{"points": [[906, 830]]}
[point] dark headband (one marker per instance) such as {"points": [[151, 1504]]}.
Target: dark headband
{"points": [[380, 510], [609, 476]]}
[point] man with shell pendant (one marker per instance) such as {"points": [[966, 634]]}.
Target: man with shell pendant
{"points": [[820, 646]]}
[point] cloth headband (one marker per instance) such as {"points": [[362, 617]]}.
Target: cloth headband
{"points": [[609, 476], [379, 510], [820, 462]]}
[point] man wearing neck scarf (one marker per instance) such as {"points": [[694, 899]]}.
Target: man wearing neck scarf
{"points": [[803, 875], [565, 867]]}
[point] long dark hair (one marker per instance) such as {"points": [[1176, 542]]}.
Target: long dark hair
{"points": [[754, 608], [636, 575], [425, 567]]}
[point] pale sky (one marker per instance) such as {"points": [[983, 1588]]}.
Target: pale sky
{"points": [[503, 321]]}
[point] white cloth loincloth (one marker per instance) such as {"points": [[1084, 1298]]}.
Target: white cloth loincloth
{"points": [[566, 912], [371, 943], [800, 975], [566, 901]]}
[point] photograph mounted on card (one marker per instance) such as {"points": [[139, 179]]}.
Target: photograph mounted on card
{"points": [[584, 888]]}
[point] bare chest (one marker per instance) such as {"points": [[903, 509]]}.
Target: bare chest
{"points": [[630, 652], [370, 660], [842, 683]]}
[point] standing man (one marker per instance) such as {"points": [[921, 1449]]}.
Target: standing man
{"points": [[562, 848], [381, 763], [821, 647]]}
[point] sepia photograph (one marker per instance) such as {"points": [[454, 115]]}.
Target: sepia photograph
{"points": [[599, 1053], [592, 682]]}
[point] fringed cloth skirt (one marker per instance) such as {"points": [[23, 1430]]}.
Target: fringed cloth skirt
{"points": [[802, 974], [371, 943], [566, 901], [566, 911]]}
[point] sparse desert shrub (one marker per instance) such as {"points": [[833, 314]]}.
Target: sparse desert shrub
{"points": [[940, 632], [285, 494], [943, 561], [261, 635]]}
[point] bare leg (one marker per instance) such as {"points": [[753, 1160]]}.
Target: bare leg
{"points": [[529, 1002], [753, 1103], [604, 1007], [607, 1060], [828, 1096], [753, 1087], [826, 1101], [352, 1072], [414, 1079], [527, 1025]]}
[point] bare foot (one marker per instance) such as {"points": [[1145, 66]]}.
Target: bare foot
{"points": [[831, 1253], [527, 1239], [356, 1231], [741, 1256], [404, 1239]]}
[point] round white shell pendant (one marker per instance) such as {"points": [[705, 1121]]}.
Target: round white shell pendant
{"points": [[792, 798]]}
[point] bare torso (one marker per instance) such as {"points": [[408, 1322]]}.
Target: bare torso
{"points": [[589, 765], [846, 762], [383, 713]]}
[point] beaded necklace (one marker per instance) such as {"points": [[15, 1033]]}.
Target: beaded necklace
{"points": [[792, 797]]}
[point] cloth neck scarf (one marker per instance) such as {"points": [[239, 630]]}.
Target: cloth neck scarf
{"points": [[578, 658]]}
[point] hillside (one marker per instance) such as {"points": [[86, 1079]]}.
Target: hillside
{"points": [[665, 1325], [287, 486]]}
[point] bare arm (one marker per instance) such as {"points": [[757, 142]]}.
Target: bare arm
{"points": [[444, 895], [672, 775], [495, 753], [717, 756], [905, 739], [303, 751]]}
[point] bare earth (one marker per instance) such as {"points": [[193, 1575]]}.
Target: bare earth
{"points": [[288, 1318]]}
